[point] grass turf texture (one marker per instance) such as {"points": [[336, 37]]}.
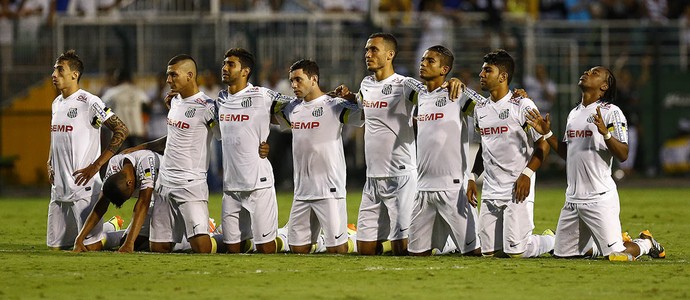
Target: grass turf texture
{"points": [[29, 270]]}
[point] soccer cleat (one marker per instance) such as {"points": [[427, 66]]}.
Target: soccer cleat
{"points": [[626, 237], [621, 256], [211, 225], [548, 232], [351, 229], [117, 222], [657, 251]]}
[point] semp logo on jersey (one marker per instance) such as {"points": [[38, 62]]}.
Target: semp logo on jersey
{"points": [[441, 101], [504, 114], [387, 89], [190, 112], [72, 112], [317, 112], [247, 102]]}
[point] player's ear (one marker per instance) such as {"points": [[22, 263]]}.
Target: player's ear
{"points": [[445, 70], [391, 54], [245, 72]]}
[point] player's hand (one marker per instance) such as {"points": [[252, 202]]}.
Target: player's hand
{"points": [[599, 121], [126, 248], [455, 87], [521, 188], [169, 97], [264, 149], [51, 175], [472, 192], [79, 247], [84, 175], [342, 91], [520, 93], [540, 124]]}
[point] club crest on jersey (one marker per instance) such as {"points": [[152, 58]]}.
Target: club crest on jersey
{"points": [[247, 102], [387, 89], [441, 101], [504, 114], [590, 119], [317, 112], [190, 112], [72, 112]]}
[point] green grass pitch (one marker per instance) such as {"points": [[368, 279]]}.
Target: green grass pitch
{"points": [[28, 270]]}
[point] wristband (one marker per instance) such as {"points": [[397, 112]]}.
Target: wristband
{"points": [[548, 135], [472, 177], [607, 136], [528, 172]]}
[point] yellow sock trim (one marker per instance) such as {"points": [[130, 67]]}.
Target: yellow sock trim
{"points": [[104, 240], [279, 244], [214, 245], [386, 246], [350, 246], [248, 246]]}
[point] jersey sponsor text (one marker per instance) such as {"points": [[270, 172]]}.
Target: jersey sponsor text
{"points": [[374, 104], [178, 124], [233, 117], [304, 125], [493, 130]]}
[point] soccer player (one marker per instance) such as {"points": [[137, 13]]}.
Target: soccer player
{"points": [[595, 133], [440, 207], [386, 207], [510, 153], [317, 120], [75, 153], [126, 174], [183, 208], [250, 208]]}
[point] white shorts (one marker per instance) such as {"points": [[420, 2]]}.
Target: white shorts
{"points": [[506, 225], [307, 217], [179, 212], [386, 208], [65, 220], [439, 214], [579, 223], [251, 214]]}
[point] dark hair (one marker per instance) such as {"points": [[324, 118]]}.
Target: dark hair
{"points": [[503, 61], [309, 67], [73, 61], [124, 75], [115, 189], [610, 94], [246, 58], [390, 41], [181, 57], [447, 57]]}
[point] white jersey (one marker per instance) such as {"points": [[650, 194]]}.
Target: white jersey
{"points": [[75, 142], [589, 160], [244, 119], [186, 158], [146, 164], [317, 145], [507, 142], [442, 140], [389, 145]]}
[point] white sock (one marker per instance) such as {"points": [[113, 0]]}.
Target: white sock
{"points": [[185, 246], [112, 239], [596, 252], [538, 245], [320, 246], [644, 245], [108, 227]]}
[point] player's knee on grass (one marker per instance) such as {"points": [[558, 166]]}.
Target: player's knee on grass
{"points": [[161, 247], [98, 246], [424, 253], [303, 249], [399, 247], [340, 249], [266, 248], [368, 248], [201, 243]]}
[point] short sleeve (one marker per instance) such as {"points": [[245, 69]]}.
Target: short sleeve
{"points": [[99, 113]]}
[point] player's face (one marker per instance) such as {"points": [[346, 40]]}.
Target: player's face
{"points": [[430, 66], [63, 76], [490, 77], [594, 78], [301, 84], [376, 55], [232, 70], [176, 78]]}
